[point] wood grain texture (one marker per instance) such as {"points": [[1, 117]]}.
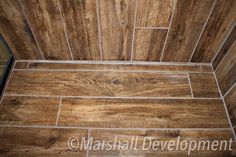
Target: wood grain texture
{"points": [[120, 67], [99, 83], [204, 85], [4, 53], [116, 22], [143, 113], [165, 135], [46, 23], [148, 44], [230, 100], [40, 142], [222, 18], [188, 21], [16, 31], [226, 70], [21, 65], [82, 28], [28, 111], [154, 13], [225, 48]]}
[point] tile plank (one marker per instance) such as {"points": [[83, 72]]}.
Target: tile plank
{"points": [[99, 83], [187, 24], [143, 113], [28, 111], [21, 65], [230, 100], [148, 44]]}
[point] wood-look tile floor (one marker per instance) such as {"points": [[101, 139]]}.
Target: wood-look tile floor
{"points": [[45, 104]]}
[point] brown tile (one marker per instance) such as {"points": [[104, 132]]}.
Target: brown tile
{"points": [[28, 111], [30, 142], [21, 65], [204, 85], [164, 135], [143, 113], [148, 44], [103, 83], [230, 100], [154, 13]]}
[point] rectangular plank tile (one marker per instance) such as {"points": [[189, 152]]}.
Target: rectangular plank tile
{"points": [[16, 31], [165, 135], [21, 65], [204, 85], [187, 24], [148, 44], [154, 13], [46, 23], [99, 83], [129, 67], [222, 18], [30, 142], [82, 28], [28, 111], [230, 101], [143, 113], [116, 21]]}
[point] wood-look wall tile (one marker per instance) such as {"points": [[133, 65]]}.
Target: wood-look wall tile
{"points": [[16, 31], [28, 111], [204, 85], [21, 65], [99, 83], [230, 100], [46, 23], [226, 70], [148, 44], [163, 135], [188, 22], [143, 113], [225, 48], [81, 24], [154, 13], [221, 20], [40, 142], [116, 22]]}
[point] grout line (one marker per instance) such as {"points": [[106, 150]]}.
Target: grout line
{"points": [[27, 65], [223, 42], [110, 97], [203, 28], [230, 89], [23, 11], [99, 30], [151, 27], [133, 36], [100, 128], [190, 85], [58, 112], [64, 27], [87, 151], [172, 16], [226, 110]]}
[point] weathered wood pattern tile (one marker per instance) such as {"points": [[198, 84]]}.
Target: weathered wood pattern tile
{"points": [[226, 70], [187, 24], [82, 28], [143, 113], [221, 19], [117, 21], [99, 83], [130, 67], [21, 65], [154, 13], [204, 85], [28, 111], [16, 31], [165, 135], [148, 44], [45, 20], [4, 54], [230, 100], [30, 142], [225, 48]]}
